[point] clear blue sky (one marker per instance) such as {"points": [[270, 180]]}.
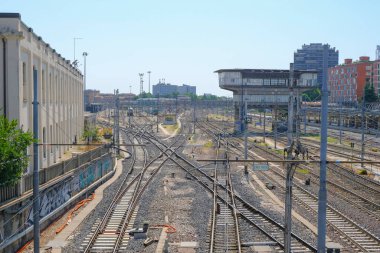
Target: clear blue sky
{"points": [[185, 41]]}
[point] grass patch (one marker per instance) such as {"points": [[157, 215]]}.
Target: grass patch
{"points": [[302, 171], [363, 172], [208, 144], [279, 151], [171, 128], [218, 117], [374, 149], [329, 139]]}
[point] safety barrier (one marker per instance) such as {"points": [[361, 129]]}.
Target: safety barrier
{"points": [[50, 173]]}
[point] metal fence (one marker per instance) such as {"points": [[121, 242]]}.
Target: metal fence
{"points": [[50, 173]]}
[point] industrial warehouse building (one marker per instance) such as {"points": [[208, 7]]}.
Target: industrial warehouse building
{"points": [[25, 56]]}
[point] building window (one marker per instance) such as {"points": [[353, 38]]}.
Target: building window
{"points": [[256, 81], [274, 82], [24, 82]]}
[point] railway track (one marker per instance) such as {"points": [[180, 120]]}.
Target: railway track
{"points": [[358, 237], [225, 235], [360, 240], [110, 234], [269, 229], [356, 189], [342, 179]]}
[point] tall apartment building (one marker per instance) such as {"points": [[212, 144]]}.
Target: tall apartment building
{"points": [[316, 56], [164, 89], [60, 87], [347, 81]]}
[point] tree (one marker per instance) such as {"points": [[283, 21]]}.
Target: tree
{"points": [[369, 93], [91, 133], [13, 156], [312, 95]]}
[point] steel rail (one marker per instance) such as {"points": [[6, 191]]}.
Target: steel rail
{"points": [[234, 208], [366, 232], [118, 195]]}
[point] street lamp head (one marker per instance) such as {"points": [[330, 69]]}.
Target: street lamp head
{"points": [[85, 53]]}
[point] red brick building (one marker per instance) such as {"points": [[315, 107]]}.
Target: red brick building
{"points": [[346, 82]]}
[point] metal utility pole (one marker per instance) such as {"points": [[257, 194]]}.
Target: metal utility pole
{"points": [[304, 120], [116, 122], [290, 169], [322, 196], [275, 121], [245, 137], [340, 122], [362, 128], [158, 109], [176, 108], [298, 116], [194, 116], [130, 89], [36, 183], [264, 124], [141, 83], [242, 108], [149, 79], [291, 105]]}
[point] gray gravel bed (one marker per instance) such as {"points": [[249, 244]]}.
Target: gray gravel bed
{"points": [[85, 227], [186, 204], [310, 216], [260, 202], [350, 211]]}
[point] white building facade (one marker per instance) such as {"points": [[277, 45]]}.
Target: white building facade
{"points": [[60, 88]]}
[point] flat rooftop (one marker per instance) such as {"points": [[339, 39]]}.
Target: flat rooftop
{"points": [[262, 73]]}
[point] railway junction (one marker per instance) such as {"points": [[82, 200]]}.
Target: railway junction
{"points": [[210, 180]]}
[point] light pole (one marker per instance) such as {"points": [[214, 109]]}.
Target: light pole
{"points": [[75, 39], [84, 78], [141, 83], [149, 79]]}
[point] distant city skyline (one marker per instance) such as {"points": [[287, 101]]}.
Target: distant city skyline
{"points": [[185, 42]]}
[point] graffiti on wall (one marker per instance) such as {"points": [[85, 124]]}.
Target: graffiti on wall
{"points": [[56, 196], [107, 165], [99, 169], [87, 176], [52, 198]]}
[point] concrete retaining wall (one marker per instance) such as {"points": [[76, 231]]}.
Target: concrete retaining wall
{"points": [[16, 220]]}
